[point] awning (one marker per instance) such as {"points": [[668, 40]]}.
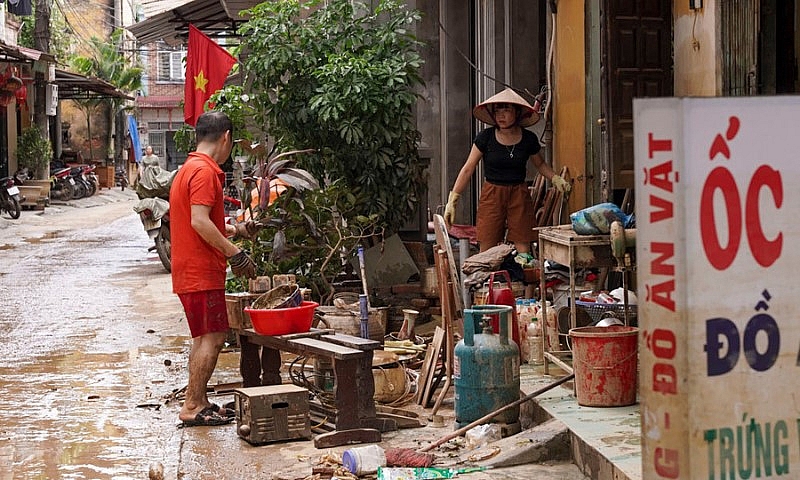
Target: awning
{"points": [[12, 53], [215, 18], [159, 101], [74, 86]]}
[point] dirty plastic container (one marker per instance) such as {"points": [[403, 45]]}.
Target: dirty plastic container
{"points": [[364, 460], [605, 361]]}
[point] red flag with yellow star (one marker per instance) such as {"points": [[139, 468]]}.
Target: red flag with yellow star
{"points": [[207, 67]]}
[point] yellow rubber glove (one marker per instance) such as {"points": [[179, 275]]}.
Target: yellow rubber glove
{"points": [[450, 208], [561, 185]]}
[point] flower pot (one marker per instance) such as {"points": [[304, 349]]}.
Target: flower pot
{"points": [[45, 184]]}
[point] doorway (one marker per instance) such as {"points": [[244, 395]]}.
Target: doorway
{"points": [[635, 61]]}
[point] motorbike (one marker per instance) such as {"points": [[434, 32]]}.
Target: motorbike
{"points": [[153, 209], [91, 179], [154, 214], [10, 198], [121, 178], [62, 185], [83, 185]]}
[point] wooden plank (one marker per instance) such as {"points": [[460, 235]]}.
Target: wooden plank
{"points": [[352, 341], [423, 374], [346, 437], [396, 411], [438, 340], [402, 421], [443, 240], [318, 347]]}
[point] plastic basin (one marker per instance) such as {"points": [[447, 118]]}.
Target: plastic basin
{"points": [[282, 321]]}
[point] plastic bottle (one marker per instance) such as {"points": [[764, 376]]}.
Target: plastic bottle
{"points": [[551, 342], [523, 319], [535, 345], [364, 460]]}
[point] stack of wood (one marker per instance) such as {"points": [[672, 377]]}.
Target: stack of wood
{"points": [[548, 202]]}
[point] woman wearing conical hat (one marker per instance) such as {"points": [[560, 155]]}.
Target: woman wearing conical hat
{"points": [[505, 148]]}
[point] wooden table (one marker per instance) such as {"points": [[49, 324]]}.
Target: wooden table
{"points": [[356, 420], [562, 245]]}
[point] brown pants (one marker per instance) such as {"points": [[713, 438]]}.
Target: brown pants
{"points": [[504, 207]]}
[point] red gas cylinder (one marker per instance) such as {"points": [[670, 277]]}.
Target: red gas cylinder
{"points": [[503, 296]]}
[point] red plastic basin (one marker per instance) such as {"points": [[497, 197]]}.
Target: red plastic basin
{"points": [[282, 321]]}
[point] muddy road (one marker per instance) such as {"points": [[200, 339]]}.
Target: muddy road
{"points": [[94, 344], [93, 339]]}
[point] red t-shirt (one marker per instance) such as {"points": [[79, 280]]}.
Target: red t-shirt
{"points": [[196, 265]]}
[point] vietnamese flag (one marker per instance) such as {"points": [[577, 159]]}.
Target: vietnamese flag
{"points": [[207, 67]]}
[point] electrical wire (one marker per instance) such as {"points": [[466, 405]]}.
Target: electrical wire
{"points": [[477, 69]]}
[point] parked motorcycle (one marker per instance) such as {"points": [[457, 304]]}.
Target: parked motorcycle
{"points": [[62, 185], [9, 197], [121, 178], [154, 214], [91, 178], [153, 209]]}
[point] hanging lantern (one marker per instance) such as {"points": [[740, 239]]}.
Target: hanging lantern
{"points": [[13, 83], [21, 94]]}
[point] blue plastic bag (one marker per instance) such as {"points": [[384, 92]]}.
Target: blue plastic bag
{"points": [[597, 219]]}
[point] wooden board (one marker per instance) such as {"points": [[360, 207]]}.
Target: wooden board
{"points": [[438, 343], [443, 240], [428, 367]]}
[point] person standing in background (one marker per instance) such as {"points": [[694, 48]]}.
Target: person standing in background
{"points": [[150, 158], [506, 148]]}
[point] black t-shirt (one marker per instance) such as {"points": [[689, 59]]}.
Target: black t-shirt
{"points": [[506, 165]]}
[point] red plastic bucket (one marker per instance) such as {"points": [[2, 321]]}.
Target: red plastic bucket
{"points": [[605, 361]]}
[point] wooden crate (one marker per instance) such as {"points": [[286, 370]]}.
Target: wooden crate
{"points": [[105, 175], [235, 303]]}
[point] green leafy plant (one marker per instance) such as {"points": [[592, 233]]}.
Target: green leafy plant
{"points": [[108, 61], [339, 77], [34, 152]]}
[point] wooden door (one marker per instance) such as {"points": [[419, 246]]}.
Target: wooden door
{"points": [[636, 61]]}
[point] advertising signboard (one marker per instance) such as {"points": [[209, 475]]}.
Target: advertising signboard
{"points": [[718, 251]]}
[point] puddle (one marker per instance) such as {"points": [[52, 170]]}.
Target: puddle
{"points": [[44, 238]]}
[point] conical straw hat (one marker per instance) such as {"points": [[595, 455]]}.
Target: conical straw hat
{"points": [[483, 111]]}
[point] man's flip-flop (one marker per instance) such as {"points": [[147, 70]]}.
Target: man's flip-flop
{"points": [[207, 417], [223, 410]]}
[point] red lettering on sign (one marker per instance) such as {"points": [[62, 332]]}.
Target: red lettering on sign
{"points": [[654, 145], [663, 343], [664, 251], [659, 176], [720, 179], [665, 379], [666, 462], [661, 294], [660, 209], [764, 251]]}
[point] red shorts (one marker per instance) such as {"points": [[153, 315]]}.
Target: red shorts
{"points": [[205, 311], [504, 207]]}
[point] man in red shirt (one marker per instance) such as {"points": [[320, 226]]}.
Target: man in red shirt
{"points": [[199, 252]]}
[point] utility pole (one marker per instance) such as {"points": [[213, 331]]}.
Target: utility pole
{"points": [[41, 42]]}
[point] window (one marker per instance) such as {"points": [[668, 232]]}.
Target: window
{"points": [[156, 140], [170, 66]]}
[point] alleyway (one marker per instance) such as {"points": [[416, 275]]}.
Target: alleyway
{"points": [[93, 340], [78, 368]]}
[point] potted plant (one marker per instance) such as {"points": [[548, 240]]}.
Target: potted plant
{"points": [[34, 153]]}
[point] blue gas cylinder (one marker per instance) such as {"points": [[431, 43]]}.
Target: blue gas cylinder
{"points": [[486, 368]]}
